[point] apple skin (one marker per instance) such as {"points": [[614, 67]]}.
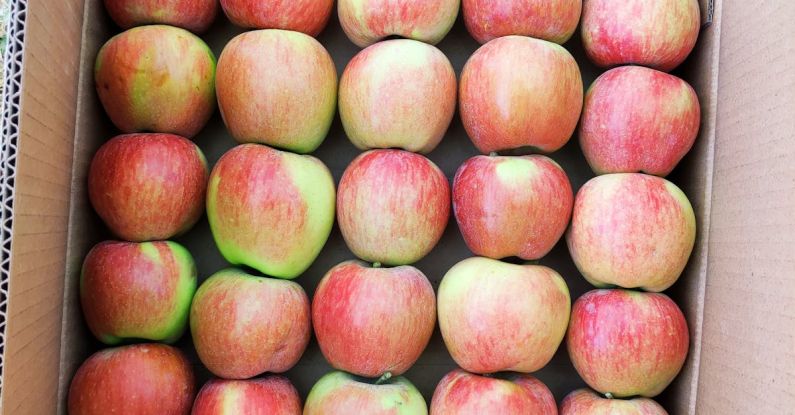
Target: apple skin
{"points": [[627, 343], [369, 21], [552, 20], [339, 393], [137, 379], [370, 321], [398, 93], [193, 15], [657, 34], [277, 87], [585, 402], [462, 393], [392, 206], [270, 210], [638, 119], [244, 325], [631, 230], [518, 92], [512, 206], [497, 317], [273, 395], [156, 79], [305, 16], [148, 186]]}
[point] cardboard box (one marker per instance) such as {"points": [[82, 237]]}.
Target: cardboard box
{"points": [[738, 291]]}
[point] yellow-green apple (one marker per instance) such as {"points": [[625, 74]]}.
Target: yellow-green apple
{"points": [[368, 21], [637, 119], [631, 230], [194, 15], [497, 317], [658, 34], [272, 395], [519, 92], [392, 206], [463, 393], [585, 402], [305, 16], [512, 206], [552, 20], [134, 290], [270, 210], [137, 379], [277, 87], [156, 79], [398, 93], [373, 321], [338, 393], [626, 343], [244, 325], [148, 186]]}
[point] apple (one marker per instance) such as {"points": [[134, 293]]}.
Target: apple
{"points": [[194, 15], [392, 206], [398, 93], [339, 393], [519, 92], [658, 34], [370, 321], [497, 317], [305, 16], [627, 343], [244, 325], [137, 379], [270, 210], [585, 402], [512, 206], [631, 230], [462, 393], [148, 186], [638, 119], [552, 20], [369, 21], [156, 79], [273, 395], [277, 87]]}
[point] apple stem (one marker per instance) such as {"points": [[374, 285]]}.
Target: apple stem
{"points": [[493, 154], [376, 265], [609, 395], [385, 377]]}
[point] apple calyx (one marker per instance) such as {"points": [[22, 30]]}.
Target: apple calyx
{"points": [[386, 376], [609, 395]]}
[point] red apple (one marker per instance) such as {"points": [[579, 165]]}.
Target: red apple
{"points": [[272, 395], [148, 186], [512, 206], [306, 16], [462, 393], [631, 230], [398, 93], [156, 79], [519, 92], [585, 402], [658, 34], [370, 321], [339, 393], [368, 21], [277, 87], [498, 317], [627, 343], [194, 15], [244, 325], [392, 206], [138, 379], [637, 119], [552, 20]]}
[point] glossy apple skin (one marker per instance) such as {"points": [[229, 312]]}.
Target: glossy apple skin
{"points": [[305, 16], [148, 186], [370, 321], [156, 79], [272, 395], [277, 87], [338, 393], [631, 230], [518, 92], [586, 402], [244, 325], [552, 20], [657, 34], [392, 206], [136, 380], [512, 206], [637, 119], [369, 21], [193, 15], [398, 94], [270, 210], [627, 343], [463, 393], [497, 317]]}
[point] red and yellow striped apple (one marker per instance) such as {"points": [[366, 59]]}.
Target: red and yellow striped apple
{"points": [[552, 20], [369, 21], [585, 402], [194, 15], [305, 16], [338, 393], [272, 395]]}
